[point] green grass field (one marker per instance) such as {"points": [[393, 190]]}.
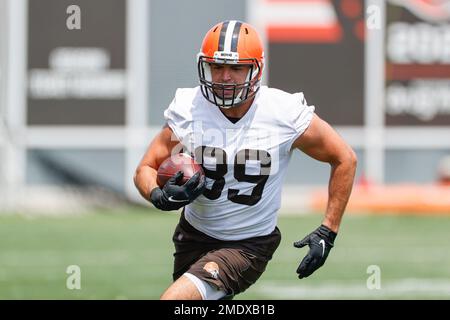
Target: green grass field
{"points": [[127, 254]]}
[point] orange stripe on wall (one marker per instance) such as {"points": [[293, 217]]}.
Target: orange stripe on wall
{"points": [[388, 199], [327, 34]]}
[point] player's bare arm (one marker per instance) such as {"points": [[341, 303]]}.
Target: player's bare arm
{"points": [[159, 149], [321, 142]]}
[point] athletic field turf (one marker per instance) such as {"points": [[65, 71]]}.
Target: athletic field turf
{"points": [[127, 254]]}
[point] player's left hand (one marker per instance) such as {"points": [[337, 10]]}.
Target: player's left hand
{"points": [[320, 242], [173, 196]]}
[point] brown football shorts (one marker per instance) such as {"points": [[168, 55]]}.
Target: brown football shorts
{"points": [[231, 266]]}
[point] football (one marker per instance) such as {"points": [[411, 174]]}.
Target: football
{"points": [[175, 163]]}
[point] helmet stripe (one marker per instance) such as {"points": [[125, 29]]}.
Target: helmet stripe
{"points": [[223, 32], [229, 36], [235, 37]]}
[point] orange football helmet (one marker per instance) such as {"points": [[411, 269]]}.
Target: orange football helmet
{"points": [[231, 42]]}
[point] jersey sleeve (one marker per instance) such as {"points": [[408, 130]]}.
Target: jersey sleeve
{"points": [[301, 116], [177, 115]]}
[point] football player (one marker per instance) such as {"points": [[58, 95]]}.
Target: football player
{"points": [[243, 134]]}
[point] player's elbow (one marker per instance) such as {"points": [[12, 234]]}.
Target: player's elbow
{"points": [[346, 159], [137, 173], [351, 159]]}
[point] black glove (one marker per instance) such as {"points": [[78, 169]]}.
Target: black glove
{"points": [[173, 196], [320, 242]]}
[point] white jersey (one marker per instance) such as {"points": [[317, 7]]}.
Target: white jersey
{"points": [[244, 162]]}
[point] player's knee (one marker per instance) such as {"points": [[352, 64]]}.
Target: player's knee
{"points": [[190, 287], [170, 295], [182, 289]]}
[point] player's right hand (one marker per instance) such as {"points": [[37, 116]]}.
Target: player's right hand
{"points": [[173, 196]]}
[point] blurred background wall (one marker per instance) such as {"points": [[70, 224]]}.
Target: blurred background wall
{"points": [[80, 103]]}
